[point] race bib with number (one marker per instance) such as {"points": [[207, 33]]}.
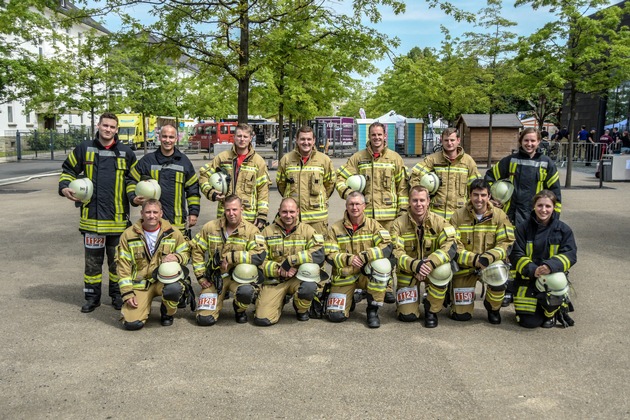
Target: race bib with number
{"points": [[94, 241], [464, 295], [407, 295], [336, 301], [207, 302]]}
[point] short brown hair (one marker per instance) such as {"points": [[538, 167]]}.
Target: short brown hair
{"points": [[447, 132], [232, 197], [108, 115], [151, 202], [545, 194], [244, 127], [528, 130]]}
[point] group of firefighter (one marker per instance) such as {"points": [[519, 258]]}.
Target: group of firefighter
{"points": [[418, 240]]}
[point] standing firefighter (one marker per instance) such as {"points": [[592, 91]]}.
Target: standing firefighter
{"points": [[450, 171], [485, 240], [177, 178], [358, 248], [240, 171], [235, 248], [151, 262], [294, 255], [424, 245], [106, 164], [307, 176], [384, 177]]}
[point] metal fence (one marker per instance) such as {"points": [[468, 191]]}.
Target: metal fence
{"points": [[582, 152], [42, 144]]}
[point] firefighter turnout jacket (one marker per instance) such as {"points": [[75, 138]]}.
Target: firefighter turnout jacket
{"points": [[386, 192], [244, 245], [370, 241], [290, 249], [310, 183], [455, 177], [178, 181], [434, 241], [135, 264], [107, 212], [250, 182], [489, 238], [529, 175]]}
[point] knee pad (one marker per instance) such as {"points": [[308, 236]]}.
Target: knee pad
{"points": [[407, 317], [133, 325], [172, 291], [336, 316], [262, 322], [461, 317], [307, 290], [205, 321], [245, 294]]}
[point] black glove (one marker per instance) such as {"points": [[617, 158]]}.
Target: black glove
{"points": [[217, 279], [261, 223], [484, 261], [416, 265]]}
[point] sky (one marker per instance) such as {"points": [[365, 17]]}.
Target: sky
{"points": [[418, 26]]}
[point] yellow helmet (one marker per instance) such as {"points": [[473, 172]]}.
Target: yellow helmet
{"points": [[431, 182], [220, 182], [555, 283], [245, 273], [170, 272], [356, 182], [309, 272], [502, 191], [496, 274]]}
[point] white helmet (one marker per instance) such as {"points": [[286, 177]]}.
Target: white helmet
{"points": [[554, 283], [502, 191], [220, 182], [496, 274], [245, 273], [356, 182], [309, 272], [441, 275], [149, 188], [83, 189], [431, 182], [380, 270], [170, 272]]}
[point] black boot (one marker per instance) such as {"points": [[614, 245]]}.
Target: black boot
{"points": [[240, 317], [372, 317], [90, 305], [549, 322], [165, 320], [389, 297], [92, 297], [114, 293], [430, 318], [494, 317], [301, 316]]}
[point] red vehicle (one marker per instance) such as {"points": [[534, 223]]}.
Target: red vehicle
{"points": [[210, 133]]}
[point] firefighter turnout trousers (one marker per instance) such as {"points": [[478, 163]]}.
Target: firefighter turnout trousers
{"points": [[271, 298], [145, 292], [96, 247], [408, 299], [533, 307], [341, 298], [463, 294], [210, 302]]}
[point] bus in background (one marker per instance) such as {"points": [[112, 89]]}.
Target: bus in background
{"points": [[210, 133]]}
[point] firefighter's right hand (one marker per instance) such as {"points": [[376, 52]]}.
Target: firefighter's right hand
{"points": [[132, 302], [69, 194], [139, 200], [205, 284]]}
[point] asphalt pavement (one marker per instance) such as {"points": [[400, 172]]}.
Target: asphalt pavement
{"points": [[56, 362]]}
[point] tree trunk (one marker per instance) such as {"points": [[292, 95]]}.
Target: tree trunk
{"points": [[280, 129], [243, 63]]}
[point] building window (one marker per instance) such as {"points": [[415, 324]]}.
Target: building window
{"points": [[63, 4], [10, 113], [79, 38], [81, 118], [28, 118]]}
